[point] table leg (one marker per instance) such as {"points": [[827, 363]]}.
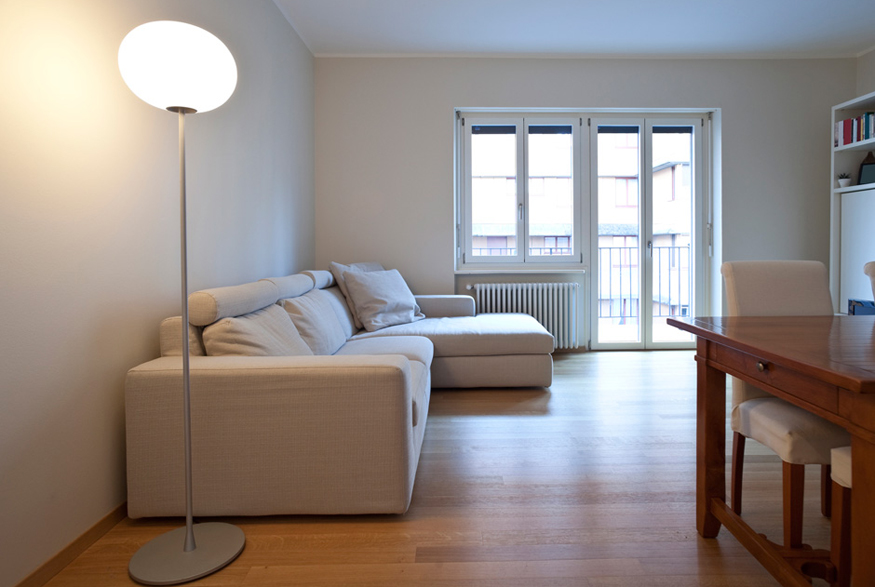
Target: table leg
{"points": [[710, 441], [862, 512]]}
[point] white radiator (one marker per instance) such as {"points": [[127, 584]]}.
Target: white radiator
{"points": [[555, 305]]}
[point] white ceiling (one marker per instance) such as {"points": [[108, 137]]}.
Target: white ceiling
{"points": [[585, 28]]}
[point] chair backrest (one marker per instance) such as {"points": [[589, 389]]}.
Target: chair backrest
{"points": [[777, 288], [774, 288], [869, 269]]}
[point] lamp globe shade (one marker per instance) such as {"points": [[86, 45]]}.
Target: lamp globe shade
{"points": [[173, 65]]}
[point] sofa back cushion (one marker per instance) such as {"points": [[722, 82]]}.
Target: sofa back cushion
{"points": [[291, 286], [207, 306], [266, 332], [381, 299], [316, 321], [341, 310]]}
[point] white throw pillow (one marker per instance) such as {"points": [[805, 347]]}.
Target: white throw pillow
{"points": [[338, 270], [381, 299], [266, 333]]}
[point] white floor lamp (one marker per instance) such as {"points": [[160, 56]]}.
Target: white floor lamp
{"points": [[184, 69]]}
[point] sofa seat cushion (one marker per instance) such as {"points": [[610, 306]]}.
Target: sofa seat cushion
{"points": [[482, 335], [415, 348]]}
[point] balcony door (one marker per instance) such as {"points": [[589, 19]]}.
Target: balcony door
{"points": [[647, 230]]}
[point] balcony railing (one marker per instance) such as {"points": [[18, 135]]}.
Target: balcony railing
{"points": [[536, 251], [619, 282]]}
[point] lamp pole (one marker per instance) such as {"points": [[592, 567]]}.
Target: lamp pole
{"points": [[167, 64]]}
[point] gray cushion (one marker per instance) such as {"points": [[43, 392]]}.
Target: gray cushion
{"points": [[316, 321], [267, 332], [486, 334], [338, 270], [341, 310], [381, 299]]}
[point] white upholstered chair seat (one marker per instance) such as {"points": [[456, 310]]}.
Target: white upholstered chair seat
{"points": [[794, 434], [841, 466]]}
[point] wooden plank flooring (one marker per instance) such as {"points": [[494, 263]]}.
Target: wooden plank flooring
{"points": [[587, 484]]}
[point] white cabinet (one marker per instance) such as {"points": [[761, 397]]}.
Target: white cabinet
{"points": [[852, 212]]}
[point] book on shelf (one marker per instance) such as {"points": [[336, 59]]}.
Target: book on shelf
{"points": [[852, 130]]}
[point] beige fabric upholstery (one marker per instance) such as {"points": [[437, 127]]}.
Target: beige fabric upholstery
{"points": [[381, 299], [316, 321], [207, 306], [170, 338], [341, 310], [291, 286], [492, 371], [446, 306], [482, 335], [796, 435], [338, 269], [327, 434], [321, 279], [773, 288], [415, 348], [269, 332], [841, 466], [780, 288], [276, 435], [777, 288], [869, 269]]}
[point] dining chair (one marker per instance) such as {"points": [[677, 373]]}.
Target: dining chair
{"points": [[798, 437], [840, 530]]}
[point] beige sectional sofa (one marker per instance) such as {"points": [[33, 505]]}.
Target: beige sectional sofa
{"points": [[328, 419]]}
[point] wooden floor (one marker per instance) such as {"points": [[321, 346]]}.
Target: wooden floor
{"points": [[587, 484]]}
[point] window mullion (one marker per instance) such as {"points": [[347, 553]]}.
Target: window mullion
{"points": [[523, 194]]}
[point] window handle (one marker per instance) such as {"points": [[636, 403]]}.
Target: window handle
{"points": [[520, 212], [650, 248]]}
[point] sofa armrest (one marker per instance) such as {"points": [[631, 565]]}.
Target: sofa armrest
{"points": [[270, 434], [446, 306]]}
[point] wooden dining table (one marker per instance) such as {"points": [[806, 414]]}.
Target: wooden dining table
{"points": [[824, 364]]}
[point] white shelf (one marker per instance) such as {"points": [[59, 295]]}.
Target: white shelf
{"points": [[861, 102], [855, 188], [867, 145]]}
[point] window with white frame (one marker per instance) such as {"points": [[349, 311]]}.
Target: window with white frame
{"points": [[520, 189]]}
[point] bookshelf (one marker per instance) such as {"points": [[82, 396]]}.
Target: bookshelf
{"points": [[852, 211]]}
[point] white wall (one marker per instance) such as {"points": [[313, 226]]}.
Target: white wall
{"points": [[384, 145], [865, 74], [89, 233]]}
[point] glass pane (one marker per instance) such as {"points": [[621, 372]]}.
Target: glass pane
{"points": [[619, 314], [672, 229], [493, 190], [551, 190]]}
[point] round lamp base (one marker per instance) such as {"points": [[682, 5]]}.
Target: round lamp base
{"points": [[163, 560]]}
